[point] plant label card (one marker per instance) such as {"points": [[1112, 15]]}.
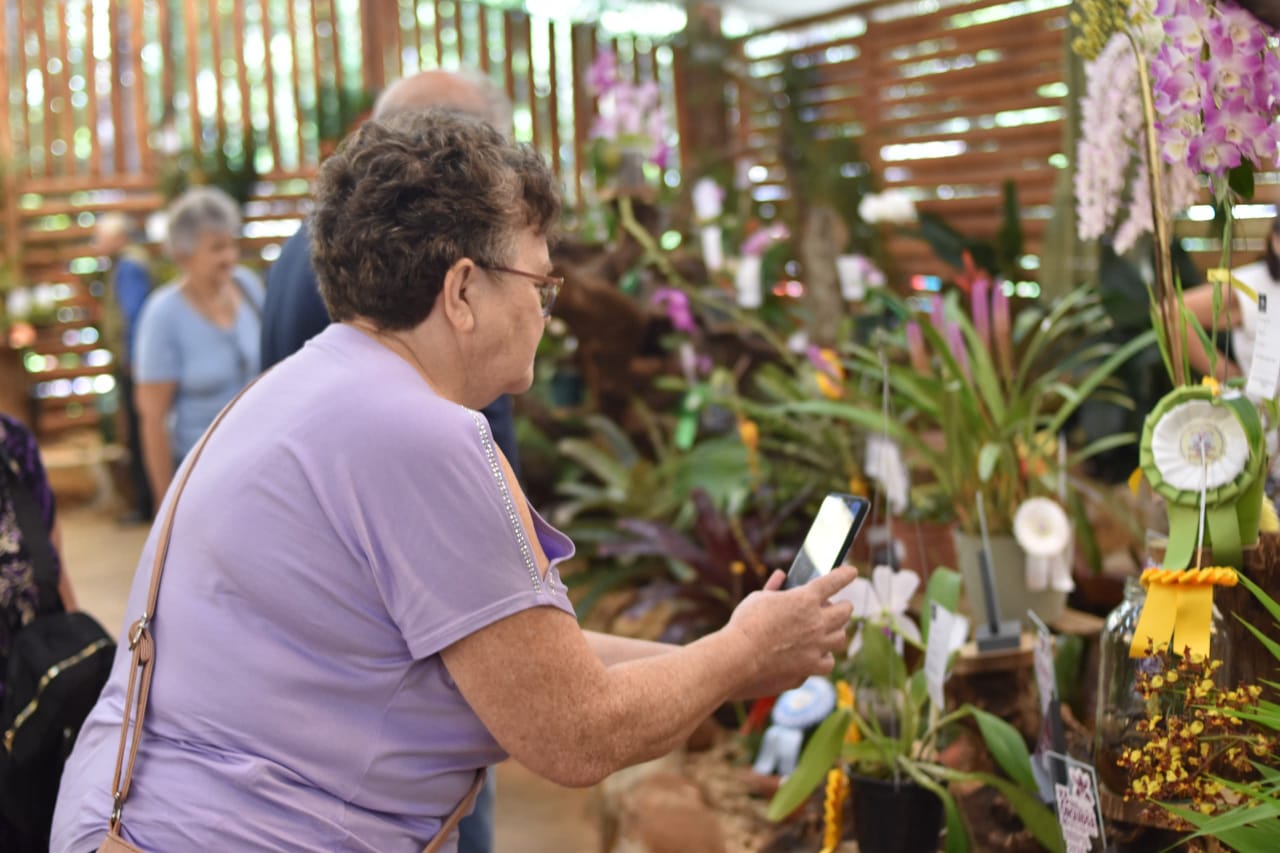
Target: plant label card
{"points": [[1046, 680], [941, 625], [1079, 806], [1264, 372]]}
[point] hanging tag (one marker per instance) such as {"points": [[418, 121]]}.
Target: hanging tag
{"points": [[748, 282], [1079, 806], [941, 623], [1264, 372], [851, 271], [712, 248]]}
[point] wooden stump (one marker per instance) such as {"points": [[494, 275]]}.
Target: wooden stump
{"points": [[1250, 660]]}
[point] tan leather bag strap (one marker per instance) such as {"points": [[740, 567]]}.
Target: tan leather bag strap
{"points": [[142, 663], [141, 643], [447, 828]]}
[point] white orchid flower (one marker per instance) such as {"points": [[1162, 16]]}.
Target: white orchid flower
{"points": [[882, 603]]}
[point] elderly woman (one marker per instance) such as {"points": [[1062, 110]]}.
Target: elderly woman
{"points": [[198, 337], [360, 608]]}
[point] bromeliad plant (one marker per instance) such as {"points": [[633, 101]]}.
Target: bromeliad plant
{"points": [[998, 392], [886, 727]]}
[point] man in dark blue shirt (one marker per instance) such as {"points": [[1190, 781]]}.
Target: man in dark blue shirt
{"points": [[294, 312]]}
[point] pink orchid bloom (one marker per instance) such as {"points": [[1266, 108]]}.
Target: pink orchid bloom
{"points": [[1212, 153], [603, 73], [678, 311], [980, 298], [1240, 126]]}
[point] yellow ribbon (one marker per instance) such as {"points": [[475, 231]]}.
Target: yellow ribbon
{"points": [[833, 808], [1179, 606], [1219, 275]]}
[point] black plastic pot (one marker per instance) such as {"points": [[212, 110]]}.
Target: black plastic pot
{"points": [[888, 818]]}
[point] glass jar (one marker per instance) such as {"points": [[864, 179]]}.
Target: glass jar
{"points": [[1119, 705]]}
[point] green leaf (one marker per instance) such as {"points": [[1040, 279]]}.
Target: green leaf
{"points": [[1006, 746], [1271, 605], [1217, 826], [987, 459], [943, 588], [819, 756], [957, 831], [879, 659], [1035, 816], [1240, 180]]}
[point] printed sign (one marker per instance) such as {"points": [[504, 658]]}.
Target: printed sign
{"points": [[1264, 372], [1079, 807]]}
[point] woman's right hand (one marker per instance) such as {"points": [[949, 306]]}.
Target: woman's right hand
{"points": [[792, 634]]}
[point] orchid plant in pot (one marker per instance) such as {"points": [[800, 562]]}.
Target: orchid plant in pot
{"points": [[980, 399], [884, 738]]}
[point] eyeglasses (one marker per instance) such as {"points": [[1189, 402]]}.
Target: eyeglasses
{"points": [[548, 286]]}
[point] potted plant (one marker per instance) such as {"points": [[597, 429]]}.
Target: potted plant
{"points": [[980, 401], [886, 733]]}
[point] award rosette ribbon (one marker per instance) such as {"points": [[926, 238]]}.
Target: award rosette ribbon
{"points": [[1202, 452]]}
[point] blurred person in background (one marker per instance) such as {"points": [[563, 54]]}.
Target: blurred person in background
{"points": [[128, 281], [22, 598], [294, 313], [198, 336]]}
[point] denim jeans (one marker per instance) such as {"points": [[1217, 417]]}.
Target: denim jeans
{"points": [[475, 832]]}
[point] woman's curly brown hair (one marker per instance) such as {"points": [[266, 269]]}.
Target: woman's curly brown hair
{"points": [[408, 196]]}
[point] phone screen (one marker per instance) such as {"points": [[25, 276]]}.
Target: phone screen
{"points": [[834, 527]]}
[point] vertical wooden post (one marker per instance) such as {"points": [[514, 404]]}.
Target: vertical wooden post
{"points": [[62, 91], [508, 32], [582, 39], [553, 100], [297, 79], [273, 133], [242, 73], [137, 37], [435, 31], [700, 79], [215, 62], [91, 88], [46, 125], [191, 17], [372, 48], [530, 86], [169, 72], [8, 175], [482, 22]]}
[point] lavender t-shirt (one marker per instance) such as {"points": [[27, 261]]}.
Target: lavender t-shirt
{"points": [[343, 526]]}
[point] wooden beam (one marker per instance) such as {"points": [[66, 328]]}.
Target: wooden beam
{"points": [[242, 72], [66, 161], [46, 125], [141, 134], [273, 130], [553, 100], [191, 17], [215, 63], [297, 78], [8, 177]]}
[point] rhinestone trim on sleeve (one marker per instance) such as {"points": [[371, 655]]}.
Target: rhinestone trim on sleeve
{"points": [[491, 455]]}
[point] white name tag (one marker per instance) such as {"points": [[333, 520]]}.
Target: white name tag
{"points": [[1264, 372]]}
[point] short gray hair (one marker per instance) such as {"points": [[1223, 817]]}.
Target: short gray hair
{"points": [[197, 211]]}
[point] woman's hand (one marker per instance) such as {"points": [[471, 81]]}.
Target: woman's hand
{"points": [[793, 633]]}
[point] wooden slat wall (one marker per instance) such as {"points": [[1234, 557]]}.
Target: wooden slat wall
{"points": [[979, 81], [114, 89]]}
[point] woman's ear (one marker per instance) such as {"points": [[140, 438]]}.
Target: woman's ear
{"points": [[458, 294]]}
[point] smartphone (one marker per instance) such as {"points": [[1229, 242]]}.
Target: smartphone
{"points": [[832, 533]]}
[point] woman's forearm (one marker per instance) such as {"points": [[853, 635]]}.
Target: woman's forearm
{"points": [[157, 454], [612, 649], [652, 704]]}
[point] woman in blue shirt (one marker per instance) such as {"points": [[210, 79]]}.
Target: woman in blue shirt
{"points": [[198, 336]]}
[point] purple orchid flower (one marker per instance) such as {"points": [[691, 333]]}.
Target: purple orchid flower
{"points": [[980, 298], [603, 74], [676, 303], [955, 339]]}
